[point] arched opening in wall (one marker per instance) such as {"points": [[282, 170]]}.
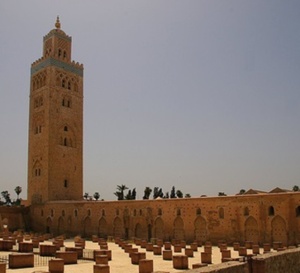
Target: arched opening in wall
{"points": [[118, 227], [159, 213], [298, 211], [251, 230], [102, 228], [178, 212], [159, 228], [138, 231], [198, 211], [61, 226], [134, 212], [149, 232], [246, 211], [178, 228], [200, 229], [221, 213], [87, 227], [271, 211], [279, 231], [49, 225]]}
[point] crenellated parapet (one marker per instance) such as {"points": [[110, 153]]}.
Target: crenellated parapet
{"points": [[44, 62]]}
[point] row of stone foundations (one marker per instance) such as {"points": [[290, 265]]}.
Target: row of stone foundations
{"points": [[103, 255]]}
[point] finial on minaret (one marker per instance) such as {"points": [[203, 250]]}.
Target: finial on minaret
{"points": [[57, 24]]}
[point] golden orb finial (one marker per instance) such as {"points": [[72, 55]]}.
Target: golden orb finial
{"points": [[57, 24]]}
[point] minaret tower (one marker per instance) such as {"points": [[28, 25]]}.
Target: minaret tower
{"points": [[55, 150]]}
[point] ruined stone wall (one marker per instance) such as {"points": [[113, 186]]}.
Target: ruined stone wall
{"points": [[257, 218], [230, 267], [14, 217], [287, 261]]}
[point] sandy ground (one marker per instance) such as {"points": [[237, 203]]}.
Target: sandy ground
{"points": [[122, 263]]}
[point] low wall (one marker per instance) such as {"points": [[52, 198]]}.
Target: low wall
{"points": [[230, 267], [287, 261]]}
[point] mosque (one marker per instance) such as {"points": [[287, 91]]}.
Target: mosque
{"points": [[55, 177]]}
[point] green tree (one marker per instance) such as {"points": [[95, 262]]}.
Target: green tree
{"points": [[173, 193], [133, 194], [242, 191], [295, 188], [96, 196], [18, 190], [187, 195], [120, 191], [147, 193], [128, 195], [6, 196], [179, 194], [222, 194], [86, 195]]}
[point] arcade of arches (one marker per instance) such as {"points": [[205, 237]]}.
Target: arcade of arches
{"points": [[260, 219]]}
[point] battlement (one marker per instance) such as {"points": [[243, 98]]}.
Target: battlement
{"points": [[43, 62]]}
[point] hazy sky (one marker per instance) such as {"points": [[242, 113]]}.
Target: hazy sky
{"points": [[202, 95]]}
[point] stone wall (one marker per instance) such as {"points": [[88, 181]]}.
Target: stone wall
{"points": [[14, 217], [260, 218], [230, 267], [287, 261]]}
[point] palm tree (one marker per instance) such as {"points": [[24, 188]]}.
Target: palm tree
{"points": [[120, 191], [18, 190], [96, 195], [147, 193]]}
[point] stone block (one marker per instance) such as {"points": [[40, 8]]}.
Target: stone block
{"points": [[255, 249], [25, 247], [208, 249], [101, 268], [226, 254], [47, 250], [167, 255], [194, 246], [137, 256], [177, 248], [157, 250], [242, 251], [20, 260], [248, 244], [56, 266], [69, 257], [180, 262], [101, 259], [167, 245], [145, 266], [149, 247], [2, 267], [78, 250], [106, 252], [206, 258], [189, 252], [236, 246]]}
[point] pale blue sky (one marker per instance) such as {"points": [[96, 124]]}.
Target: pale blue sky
{"points": [[202, 95]]}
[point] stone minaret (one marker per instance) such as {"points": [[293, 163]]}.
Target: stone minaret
{"points": [[55, 149]]}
